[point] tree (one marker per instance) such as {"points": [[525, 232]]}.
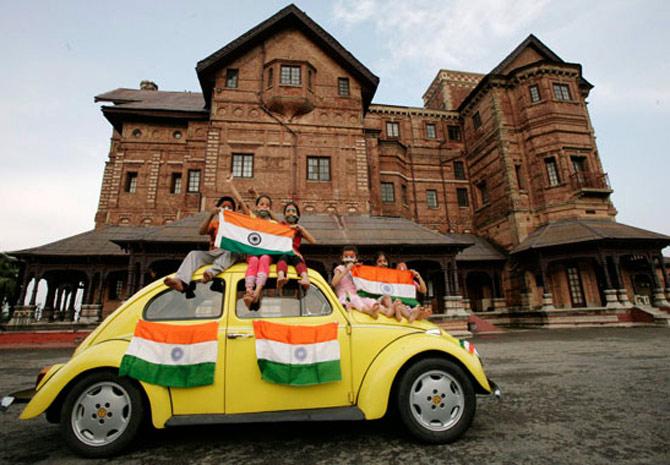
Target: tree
{"points": [[9, 275]]}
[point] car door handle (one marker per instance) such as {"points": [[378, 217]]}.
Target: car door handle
{"points": [[239, 335]]}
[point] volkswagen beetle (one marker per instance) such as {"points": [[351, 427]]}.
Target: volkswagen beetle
{"points": [[416, 368]]}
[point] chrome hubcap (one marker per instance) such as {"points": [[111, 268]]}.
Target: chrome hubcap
{"points": [[101, 414], [437, 400]]}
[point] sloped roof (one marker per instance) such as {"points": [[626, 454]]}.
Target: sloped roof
{"points": [[96, 242], [154, 100], [480, 250], [574, 231], [289, 16], [329, 230], [537, 45]]}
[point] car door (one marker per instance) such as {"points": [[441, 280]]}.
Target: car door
{"points": [[175, 308], [245, 391]]}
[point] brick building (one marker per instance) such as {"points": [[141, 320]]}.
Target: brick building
{"points": [[493, 189]]}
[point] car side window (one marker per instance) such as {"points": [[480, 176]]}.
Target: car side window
{"points": [[205, 303], [291, 301]]}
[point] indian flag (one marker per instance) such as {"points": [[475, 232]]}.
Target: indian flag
{"points": [[172, 355], [243, 234], [469, 347], [297, 355], [374, 281]]}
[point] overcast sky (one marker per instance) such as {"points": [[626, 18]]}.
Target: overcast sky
{"points": [[56, 55]]}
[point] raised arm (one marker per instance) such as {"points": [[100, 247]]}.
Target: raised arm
{"points": [[422, 285], [340, 273], [204, 226], [243, 205], [306, 234]]}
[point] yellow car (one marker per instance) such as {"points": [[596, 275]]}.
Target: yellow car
{"points": [[417, 368]]}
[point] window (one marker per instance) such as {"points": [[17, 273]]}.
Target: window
{"points": [[231, 78], [270, 77], [430, 131], [483, 192], [431, 198], [291, 302], [318, 168], [173, 305], [462, 197], [552, 171], [459, 170], [519, 177], [562, 92], [476, 120], [193, 180], [403, 191], [243, 165], [392, 129], [579, 164], [290, 75], [454, 133], [343, 87], [131, 181], [388, 192], [534, 93], [175, 183], [575, 284]]}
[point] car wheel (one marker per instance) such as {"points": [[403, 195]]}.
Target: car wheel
{"points": [[436, 400], [101, 415]]}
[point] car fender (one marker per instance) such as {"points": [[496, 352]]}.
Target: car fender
{"points": [[375, 388], [106, 354]]}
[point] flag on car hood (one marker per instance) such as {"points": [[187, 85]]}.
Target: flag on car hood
{"points": [[375, 281], [172, 355], [244, 234], [297, 355]]}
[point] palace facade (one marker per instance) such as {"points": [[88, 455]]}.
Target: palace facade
{"points": [[494, 189]]}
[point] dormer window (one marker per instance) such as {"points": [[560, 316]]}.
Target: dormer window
{"points": [[290, 75]]}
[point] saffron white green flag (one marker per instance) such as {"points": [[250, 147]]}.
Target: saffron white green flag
{"points": [[172, 355], [297, 355], [374, 281], [243, 234]]}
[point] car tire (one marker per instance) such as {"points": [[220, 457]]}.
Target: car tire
{"points": [[436, 400], [101, 415]]}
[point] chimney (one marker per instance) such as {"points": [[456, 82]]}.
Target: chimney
{"points": [[148, 85]]}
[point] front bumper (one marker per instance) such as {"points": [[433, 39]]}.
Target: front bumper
{"points": [[495, 390], [18, 397]]}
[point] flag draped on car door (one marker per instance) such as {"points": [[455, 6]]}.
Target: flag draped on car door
{"points": [[297, 355], [172, 355], [375, 281], [243, 234]]}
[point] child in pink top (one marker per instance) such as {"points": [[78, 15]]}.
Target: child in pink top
{"points": [[345, 289]]}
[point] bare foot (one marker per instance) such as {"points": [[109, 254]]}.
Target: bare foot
{"points": [[207, 276], [374, 311], [425, 313], [281, 279], [304, 282], [413, 314], [174, 283], [397, 310]]}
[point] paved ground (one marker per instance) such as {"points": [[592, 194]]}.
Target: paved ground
{"points": [[587, 396]]}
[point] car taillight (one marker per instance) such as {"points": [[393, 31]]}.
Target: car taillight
{"points": [[41, 375]]}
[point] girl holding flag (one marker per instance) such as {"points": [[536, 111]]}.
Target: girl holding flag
{"points": [[345, 288], [291, 217], [258, 266]]}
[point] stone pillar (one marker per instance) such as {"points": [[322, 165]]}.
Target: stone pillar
{"points": [[623, 299], [456, 287], [611, 299], [33, 295], [48, 310], [68, 314], [547, 302]]}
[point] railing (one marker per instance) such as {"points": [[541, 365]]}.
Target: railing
{"points": [[583, 180]]}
